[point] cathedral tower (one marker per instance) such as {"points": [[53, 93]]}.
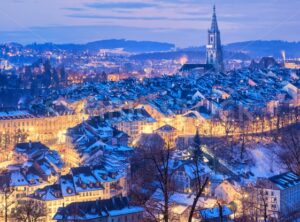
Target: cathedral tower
{"points": [[214, 54]]}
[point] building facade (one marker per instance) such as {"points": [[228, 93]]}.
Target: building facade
{"points": [[278, 196], [117, 209], [82, 184], [21, 126]]}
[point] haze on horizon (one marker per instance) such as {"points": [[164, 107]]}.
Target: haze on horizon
{"points": [[183, 22]]}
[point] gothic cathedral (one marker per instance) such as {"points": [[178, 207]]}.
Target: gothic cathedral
{"points": [[214, 54]]}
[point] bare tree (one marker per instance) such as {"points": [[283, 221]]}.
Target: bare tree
{"points": [[199, 184], [220, 211], [228, 122], [20, 136], [6, 191], [198, 191], [247, 209], [243, 119], [164, 177], [152, 162], [254, 203], [142, 167], [29, 211], [7, 144], [290, 153], [261, 203]]}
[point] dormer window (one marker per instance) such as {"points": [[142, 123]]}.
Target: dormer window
{"points": [[57, 194], [69, 190], [113, 175]]}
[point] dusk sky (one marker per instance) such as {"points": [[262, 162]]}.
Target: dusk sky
{"points": [[183, 22]]}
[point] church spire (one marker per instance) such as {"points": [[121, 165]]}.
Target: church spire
{"points": [[214, 22], [214, 54]]}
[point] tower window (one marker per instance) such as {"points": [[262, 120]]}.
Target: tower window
{"points": [[211, 58]]}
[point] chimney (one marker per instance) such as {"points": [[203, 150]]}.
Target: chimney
{"points": [[283, 56]]}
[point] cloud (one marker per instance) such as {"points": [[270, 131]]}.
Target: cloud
{"points": [[154, 18], [120, 5], [160, 18], [83, 34], [74, 9], [116, 17], [181, 21]]}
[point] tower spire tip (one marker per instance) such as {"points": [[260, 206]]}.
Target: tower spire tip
{"points": [[214, 10]]}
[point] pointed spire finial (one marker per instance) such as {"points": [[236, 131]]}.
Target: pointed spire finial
{"points": [[214, 23]]}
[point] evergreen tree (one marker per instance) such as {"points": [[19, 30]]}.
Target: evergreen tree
{"points": [[34, 87], [63, 76], [55, 79], [197, 146], [47, 73]]}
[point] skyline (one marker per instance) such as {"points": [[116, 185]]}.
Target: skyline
{"points": [[149, 110], [182, 22]]}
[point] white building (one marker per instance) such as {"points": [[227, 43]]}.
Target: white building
{"points": [[279, 194]]}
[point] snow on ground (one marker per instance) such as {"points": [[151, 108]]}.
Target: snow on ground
{"points": [[265, 161], [261, 161]]}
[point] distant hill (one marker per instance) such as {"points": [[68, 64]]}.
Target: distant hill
{"points": [[194, 55], [239, 50], [127, 45], [159, 50], [258, 48]]}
